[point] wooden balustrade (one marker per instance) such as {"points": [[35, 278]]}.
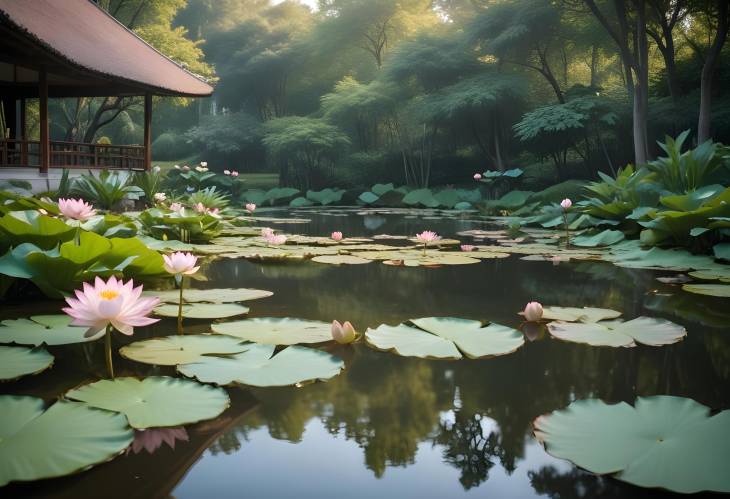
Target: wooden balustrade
{"points": [[70, 155]]}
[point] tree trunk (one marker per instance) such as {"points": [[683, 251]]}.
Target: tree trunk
{"points": [[641, 87], [708, 71]]}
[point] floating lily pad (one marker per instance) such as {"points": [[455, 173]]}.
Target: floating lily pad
{"points": [[605, 238], [576, 314], [445, 338], [67, 438], [181, 349], [156, 401], [16, 362], [340, 259], [42, 329], [645, 330], [203, 310], [210, 295], [277, 331], [667, 442], [719, 290], [257, 367]]}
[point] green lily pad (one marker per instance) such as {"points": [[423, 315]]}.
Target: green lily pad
{"points": [[576, 314], [67, 438], [719, 290], [203, 310], [16, 362], [277, 331], [645, 330], [340, 259], [667, 442], [257, 367], [158, 401], [181, 349], [42, 329], [210, 295], [445, 338], [605, 238]]}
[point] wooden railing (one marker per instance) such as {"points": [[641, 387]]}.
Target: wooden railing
{"points": [[72, 155]]}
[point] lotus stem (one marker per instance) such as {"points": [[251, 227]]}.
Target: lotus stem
{"points": [[567, 231], [180, 307], [424, 249], [109, 364], [77, 237]]}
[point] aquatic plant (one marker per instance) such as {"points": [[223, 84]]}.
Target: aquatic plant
{"points": [[336, 236], [250, 207], [533, 311], [343, 333], [425, 237], [180, 264], [565, 204], [76, 209]]}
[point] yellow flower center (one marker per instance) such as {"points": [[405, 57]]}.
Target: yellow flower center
{"points": [[108, 294]]}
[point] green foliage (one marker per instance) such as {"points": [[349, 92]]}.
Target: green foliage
{"points": [[150, 183], [185, 225], [170, 145], [225, 133], [106, 190], [209, 198]]}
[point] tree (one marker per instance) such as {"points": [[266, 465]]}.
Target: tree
{"points": [[708, 70], [664, 16]]}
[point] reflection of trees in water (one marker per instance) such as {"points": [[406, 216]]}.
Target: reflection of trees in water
{"points": [[574, 484]]}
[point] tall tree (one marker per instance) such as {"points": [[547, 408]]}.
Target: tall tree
{"points": [[664, 16], [720, 8]]}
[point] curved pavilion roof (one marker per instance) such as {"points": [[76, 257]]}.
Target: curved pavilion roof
{"points": [[85, 51]]}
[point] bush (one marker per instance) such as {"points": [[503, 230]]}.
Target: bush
{"points": [[170, 146]]}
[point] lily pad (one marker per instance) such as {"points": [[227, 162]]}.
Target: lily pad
{"points": [[203, 310], [576, 314], [158, 401], [445, 338], [42, 329], [663, 441], [645, 330], [259, 367], [277, 331], [719, 290], [16, 362], [181, 349], [605, 238], [67, 438], [227, 295], [340, 259]]}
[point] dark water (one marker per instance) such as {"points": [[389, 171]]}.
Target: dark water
{"points": [[390, 426]]}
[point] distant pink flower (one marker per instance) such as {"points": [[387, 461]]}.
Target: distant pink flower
{"points": [[533, 311], [467, 247], [160, 197], [200, 208], [427, 236], [250, 207], [477, 176], [556, 260], [152, 439], [267, 232], [234, 173], [213, 211], [343, 333], [76, 209], [276, 239], [226, 172], [180, 263], [186, 168], [176, 207], [113, 302], [566, 203], [336, 236]]}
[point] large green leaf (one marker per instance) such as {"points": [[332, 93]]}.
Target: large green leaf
{"points": [[31, 226], [645, 330], [67, 438], [181, 349], [42, 329], [223, 295], [576, 314], [667, 442], [16, 362], [605, 238], [277, 331], [257, 367], [445, 338], [340, 259], [203, 310], [719, 290], [155, 401], [423, 197]]}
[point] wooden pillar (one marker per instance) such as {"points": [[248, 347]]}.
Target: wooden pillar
{"points": [[45, 146], [22, 135], [147, 131]]}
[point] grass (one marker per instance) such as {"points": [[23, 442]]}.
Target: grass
{"points": [[253, 180]]}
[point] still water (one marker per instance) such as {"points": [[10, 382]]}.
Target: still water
{"points": [[391, 426]]}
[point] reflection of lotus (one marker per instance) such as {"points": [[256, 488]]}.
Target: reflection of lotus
{"points": [[373, 222], [533, 330], [153, 438]]}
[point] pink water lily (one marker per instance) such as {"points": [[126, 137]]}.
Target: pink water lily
{"points": [[566, 203], [533, 311], [114, 303], [250, 207], [176, 207], [467, 247], [276, 239], [77, 209], [180, 263], [343, 333], [477, 176], [427, 236], [234, 173], [336, 236], [267, 232]]}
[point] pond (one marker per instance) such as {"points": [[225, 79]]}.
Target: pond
{"points": [[392, 426]]}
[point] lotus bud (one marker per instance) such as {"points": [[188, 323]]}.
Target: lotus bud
{"points": [[234, 173], [226, 172], [343, 333], [337, 236], [533, 311], [477, 176], [566, 203], [250, 207], [467, 247]]}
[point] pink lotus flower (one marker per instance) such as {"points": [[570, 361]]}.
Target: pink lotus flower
{"points": [[186, 168], [566, 203], [200, 208], [250, 207], [336, 236], [177, 207], [276, 240], [76, 209], [152, 439], [467, 247], [180, 263], [477, 176], [234, 173], [267, 232], [112, 303], [533, 311], [427, 236], [343, 333], [213, 211]]}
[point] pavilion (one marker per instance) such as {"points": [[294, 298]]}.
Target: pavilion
{"points": [[73, 48]]}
